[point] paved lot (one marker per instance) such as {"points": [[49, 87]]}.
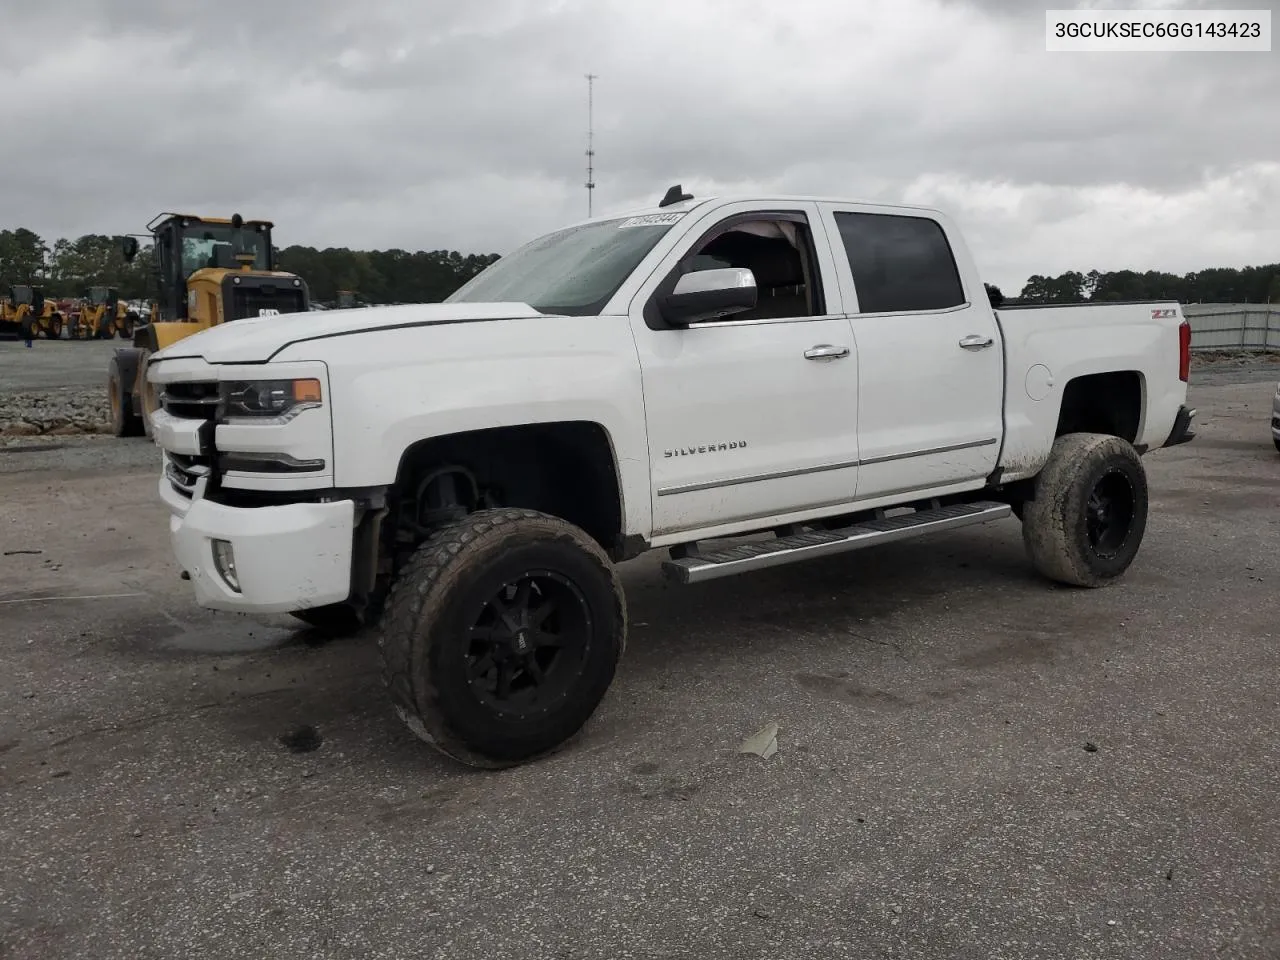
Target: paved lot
{"points": [[932, 795], [51, 364]]}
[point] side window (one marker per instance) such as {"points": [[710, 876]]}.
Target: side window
{"points": [[899, 262], [779, 253]]}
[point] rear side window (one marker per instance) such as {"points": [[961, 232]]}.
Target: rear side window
{"points": [[899, 263]]}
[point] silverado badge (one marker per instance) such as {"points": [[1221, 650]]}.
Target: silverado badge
{"points": [[706, 448]]}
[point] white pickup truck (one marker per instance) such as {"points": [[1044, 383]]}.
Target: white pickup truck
{"points": [[465, 475]]}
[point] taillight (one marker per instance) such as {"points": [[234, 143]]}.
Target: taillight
{"points": [[1184, 351]]}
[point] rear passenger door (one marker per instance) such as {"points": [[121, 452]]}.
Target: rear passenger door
{"points": [[930, 365]]}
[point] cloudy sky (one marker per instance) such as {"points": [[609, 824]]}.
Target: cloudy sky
{"points": [[426, 124]]}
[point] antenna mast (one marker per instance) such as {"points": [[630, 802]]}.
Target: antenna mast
{"points": [[591, 153]]}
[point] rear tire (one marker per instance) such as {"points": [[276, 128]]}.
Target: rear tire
{"points": [[1089, 513], [1276, 441], [55, 327], [501, 636]]}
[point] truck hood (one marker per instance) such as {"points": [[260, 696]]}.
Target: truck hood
{"points": [[256, 339]]}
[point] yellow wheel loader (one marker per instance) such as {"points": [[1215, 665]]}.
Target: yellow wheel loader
{"points": [[102, 316], [15, 312], [208, 271], [31, 314]]}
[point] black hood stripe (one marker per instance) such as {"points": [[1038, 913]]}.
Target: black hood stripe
{"points": [[396, 326], [347, 333]]}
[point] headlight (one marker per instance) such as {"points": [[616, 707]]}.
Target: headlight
{"points": [[277, 400]]}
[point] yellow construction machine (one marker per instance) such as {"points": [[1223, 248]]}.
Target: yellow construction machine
{"points": [[103, 315], [15, 312], [208, 271], [30, 313]]}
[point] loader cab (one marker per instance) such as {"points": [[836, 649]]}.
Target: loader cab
{"points": [[212, 270], [22, 294], [103, 296], [184, 245]]}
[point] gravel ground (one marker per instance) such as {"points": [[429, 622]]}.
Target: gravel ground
{"points": [[972, 763], [58, 387], [53, 364]]}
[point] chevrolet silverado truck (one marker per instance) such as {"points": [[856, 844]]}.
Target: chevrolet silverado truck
{"points": [[743, 382]]}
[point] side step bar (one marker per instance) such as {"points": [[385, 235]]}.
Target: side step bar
{"points": [[823, 543]]}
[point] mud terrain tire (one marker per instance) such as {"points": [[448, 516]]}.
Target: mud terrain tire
{"points": [[501, 636], [1089, 513]]}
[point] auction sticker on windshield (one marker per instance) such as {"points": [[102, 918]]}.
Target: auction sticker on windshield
{"points": [[650, 220]]}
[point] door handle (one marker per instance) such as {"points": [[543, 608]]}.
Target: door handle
{"points": [[975, 342], [826, 351]]}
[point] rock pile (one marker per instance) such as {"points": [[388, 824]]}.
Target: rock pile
{"points": [[54, 413]]}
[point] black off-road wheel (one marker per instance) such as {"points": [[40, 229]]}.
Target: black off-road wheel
{"points": [[54, 330], [1089, 513], [501, 636], [124, 422]]}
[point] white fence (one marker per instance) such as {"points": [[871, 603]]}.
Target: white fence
{"points": [[1234, 326]]}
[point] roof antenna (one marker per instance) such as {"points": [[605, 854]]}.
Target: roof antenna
{"points": [[675, 195]]}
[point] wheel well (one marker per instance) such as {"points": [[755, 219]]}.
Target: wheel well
{"points": [[564, 469], [1108, 403]]}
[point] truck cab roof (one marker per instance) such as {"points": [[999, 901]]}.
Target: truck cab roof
{"points": [[720, 200]]}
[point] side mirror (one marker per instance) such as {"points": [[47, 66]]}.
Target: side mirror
{"points": [[129, 247], [708, 294]]}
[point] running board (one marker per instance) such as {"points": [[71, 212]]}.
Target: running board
{"points": [[823, 543]]}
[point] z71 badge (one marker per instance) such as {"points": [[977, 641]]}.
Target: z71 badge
{"points": [[1164, 314], [708, 448]]}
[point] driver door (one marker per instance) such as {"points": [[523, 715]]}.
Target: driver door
{"points": [[755, 415]]}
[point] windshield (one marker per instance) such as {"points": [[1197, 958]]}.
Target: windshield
{"points": [[573, 271], [216, 244]]}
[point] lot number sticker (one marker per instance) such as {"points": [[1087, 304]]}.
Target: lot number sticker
{"points": [[650, 220]]}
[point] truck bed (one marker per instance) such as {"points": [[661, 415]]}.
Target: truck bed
{"points": [[1125, 349]]}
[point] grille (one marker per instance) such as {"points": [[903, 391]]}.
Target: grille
{"points": [[248, 301], [191, 401], [184, 471]]}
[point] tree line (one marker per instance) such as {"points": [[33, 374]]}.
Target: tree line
{"points": [[1216, 285], [69, 267]]}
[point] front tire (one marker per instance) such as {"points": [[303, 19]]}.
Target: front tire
{"points": [[1089, 513], [501, 636]]}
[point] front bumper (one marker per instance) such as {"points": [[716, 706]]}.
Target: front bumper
{"points": [[1182, 431], [289, 557], [1275, 416]]}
